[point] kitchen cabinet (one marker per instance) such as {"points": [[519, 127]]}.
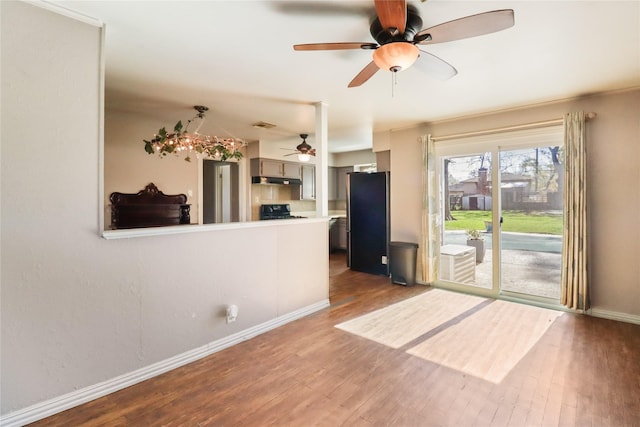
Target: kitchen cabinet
{"points": [[337, 182], [308, 186], [338, 234], [275, 168], [291, 170], [341, 182], [270, 168], [331, 183]]}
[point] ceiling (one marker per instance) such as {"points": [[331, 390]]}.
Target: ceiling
{"points": [[236, 57]]}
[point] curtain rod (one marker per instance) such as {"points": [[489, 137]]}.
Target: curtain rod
{"points": [[524, 126]]}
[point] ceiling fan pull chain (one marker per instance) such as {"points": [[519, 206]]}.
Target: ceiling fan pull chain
{"points": [[393, 85]]}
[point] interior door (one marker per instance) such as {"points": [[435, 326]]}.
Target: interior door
{"points": [[223, 193], [220, 188]]}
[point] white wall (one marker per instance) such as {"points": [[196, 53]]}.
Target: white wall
{"points": [[406, 188], [78, 309], [351, 158], [382, 141], [613, 182]]}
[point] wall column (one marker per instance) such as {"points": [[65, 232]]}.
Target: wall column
{"points": [[322, 160]]}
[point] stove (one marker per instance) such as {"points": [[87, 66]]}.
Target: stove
{"points": [[276, 211], [281, 211]]}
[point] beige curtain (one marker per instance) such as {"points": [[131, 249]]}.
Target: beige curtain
{"points": [[430, 218], [575, 290]]}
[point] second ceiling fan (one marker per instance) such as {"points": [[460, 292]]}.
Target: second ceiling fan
{"points": [[397, 31], [303, 150]]}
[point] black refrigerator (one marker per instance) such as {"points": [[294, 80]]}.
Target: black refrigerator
{"points": [[368, 222]]}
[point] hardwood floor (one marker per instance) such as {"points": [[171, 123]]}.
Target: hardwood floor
{"points": [[584, 371]]}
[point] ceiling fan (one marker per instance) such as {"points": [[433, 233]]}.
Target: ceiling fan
{"points": [[397, 31], [303, 150]]}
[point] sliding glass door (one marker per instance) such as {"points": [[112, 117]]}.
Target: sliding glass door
{"points": [[501, 214], [531, 232], [467, 206]]}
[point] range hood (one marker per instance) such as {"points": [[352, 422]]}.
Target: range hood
{"points": [[275, 180]]}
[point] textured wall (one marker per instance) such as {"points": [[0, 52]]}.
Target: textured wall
{"points": [[78, 309]]}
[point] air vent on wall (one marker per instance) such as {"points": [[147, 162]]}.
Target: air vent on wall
{"points": [[263, 125]]}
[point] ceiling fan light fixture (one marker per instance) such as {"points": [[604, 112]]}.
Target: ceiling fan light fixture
{"points": [[304, 157], [396, 56]]}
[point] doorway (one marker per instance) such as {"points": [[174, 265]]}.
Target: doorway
{"points": [[220, 185], [501, 211]]}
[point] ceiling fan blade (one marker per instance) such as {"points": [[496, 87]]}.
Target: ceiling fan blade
{"points": [[364, 75], [469, 26], [392, 14], [335, 46], [435, 66]]}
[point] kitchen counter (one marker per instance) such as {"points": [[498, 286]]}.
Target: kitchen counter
{"points": [[312, 214], [338, 231], [200, 228]]}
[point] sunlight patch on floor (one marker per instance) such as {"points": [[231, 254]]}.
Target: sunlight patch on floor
{"points": [[400, 323], [489, 343]]}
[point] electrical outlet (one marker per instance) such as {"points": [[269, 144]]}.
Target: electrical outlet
{"points": [[384, 259], [232, 313]]}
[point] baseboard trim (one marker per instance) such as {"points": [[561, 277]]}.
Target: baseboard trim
{"points": [[615, 315], [62, 403]]}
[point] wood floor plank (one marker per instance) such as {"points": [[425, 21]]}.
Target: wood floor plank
{"points": [[583, 371]]}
